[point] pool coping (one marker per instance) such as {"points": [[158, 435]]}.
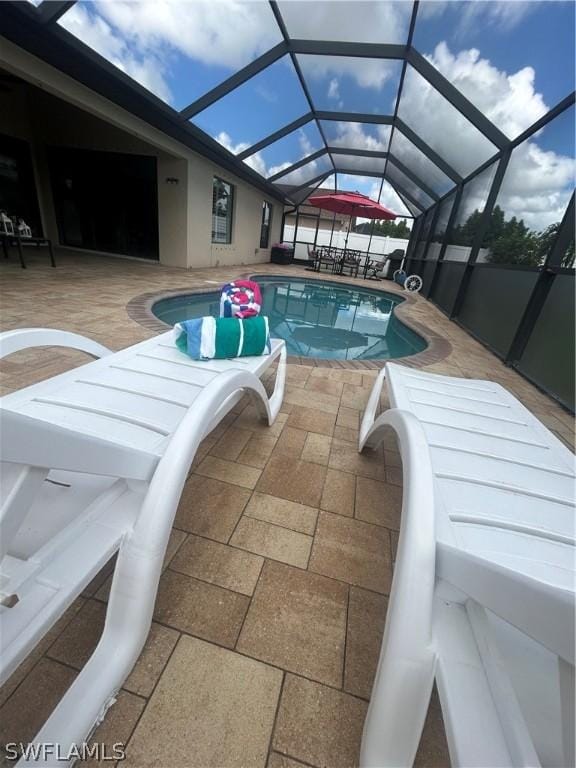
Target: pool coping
{"points": [[139, 309]]}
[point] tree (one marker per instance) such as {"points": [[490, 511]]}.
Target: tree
{"points": [[569, 257], [546, 241], [510, 241], [384, 228], [465, 233]]}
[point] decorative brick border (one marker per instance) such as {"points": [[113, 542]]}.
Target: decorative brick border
{"points": [[139, 309]]}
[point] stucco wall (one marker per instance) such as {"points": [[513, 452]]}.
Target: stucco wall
{"points": [[80, 118]]}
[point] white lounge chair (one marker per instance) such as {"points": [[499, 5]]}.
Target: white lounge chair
{"points": [[93, 464], [482, 599]]}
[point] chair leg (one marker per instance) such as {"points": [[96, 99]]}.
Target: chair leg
{"points": [[397, 712], [20, 254], [126, 628]]}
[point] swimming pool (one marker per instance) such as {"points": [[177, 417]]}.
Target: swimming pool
{"points": [[316, 318]]}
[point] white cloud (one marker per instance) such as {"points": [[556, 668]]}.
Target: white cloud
{"points": [[333, 89], [368, 73], [334, 93], [303, 174], [371, 187], [274, 169], [358, 163], [305, 144], [469, 17], [352, 136], [538, 183], [226, 140], [509, 101], [227, 33], [389, 199], [265, 93], [442, 126], [258, 163], [255, 161], [359, 20], [366, 185], [148, 69], [142, 38], [503, 16], [306, 172], [537, 186], [416, 161]]}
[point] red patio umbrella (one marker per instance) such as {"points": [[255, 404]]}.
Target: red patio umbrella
{"points": [[351, 204]]}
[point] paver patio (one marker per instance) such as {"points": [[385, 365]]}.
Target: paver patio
{"points": [[271, 607]]}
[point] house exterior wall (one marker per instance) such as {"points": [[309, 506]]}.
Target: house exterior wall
{"points": [[81, 118], [325, 222]]}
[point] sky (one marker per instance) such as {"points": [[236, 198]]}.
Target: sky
{"points": [[511, 59]]}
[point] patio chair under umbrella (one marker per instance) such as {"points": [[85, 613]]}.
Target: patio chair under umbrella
{"points": [[351, 204]]}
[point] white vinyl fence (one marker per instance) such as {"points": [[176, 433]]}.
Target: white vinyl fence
{"points": [[458, 253], [378, 246]]}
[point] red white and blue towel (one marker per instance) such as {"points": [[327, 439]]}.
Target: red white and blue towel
{"points": [[241, 298]]}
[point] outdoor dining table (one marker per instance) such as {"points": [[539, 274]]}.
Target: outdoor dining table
{"points": [[333, 258], [337, 257]]}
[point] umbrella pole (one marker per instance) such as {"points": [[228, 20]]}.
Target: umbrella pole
{"points": [[348, 232]]}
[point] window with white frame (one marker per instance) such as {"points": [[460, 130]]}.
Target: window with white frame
{"points": [[265, 226], [222, 208]]}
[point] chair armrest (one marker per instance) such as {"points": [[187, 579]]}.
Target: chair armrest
{"points": [[25, 338]]}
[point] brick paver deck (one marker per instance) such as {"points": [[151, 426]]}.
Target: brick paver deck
{"points": [[271, 606]]}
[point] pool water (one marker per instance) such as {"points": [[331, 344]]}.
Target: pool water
{"points": [[316, 318]]}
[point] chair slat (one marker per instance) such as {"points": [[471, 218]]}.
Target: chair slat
{"points": [[179, 393], [126, 406], [97, 425]]}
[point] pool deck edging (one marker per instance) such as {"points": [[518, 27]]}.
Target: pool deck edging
{"points": [[139, 309]]}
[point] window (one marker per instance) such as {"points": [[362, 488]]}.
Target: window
{"points": [[222, 205], [265, 226]]}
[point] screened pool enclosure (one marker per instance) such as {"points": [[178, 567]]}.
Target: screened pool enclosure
{"points": [[459, 116]]}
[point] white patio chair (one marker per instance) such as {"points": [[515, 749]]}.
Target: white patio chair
{"points": [[482, 600], [93, 464]]}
